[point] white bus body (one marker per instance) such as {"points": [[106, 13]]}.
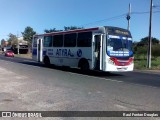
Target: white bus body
{"points": [[92, 48]]}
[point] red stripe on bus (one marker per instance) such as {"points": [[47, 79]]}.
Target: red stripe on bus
{"points": [[68, 32]]}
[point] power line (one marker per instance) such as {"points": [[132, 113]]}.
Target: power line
{"points": [[139, 12], [144, 12], [117, 17], [157, 8], [107, 19], [156, 11]]}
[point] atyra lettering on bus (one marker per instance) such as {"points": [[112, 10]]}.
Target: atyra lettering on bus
{"points": [[64, 53]]}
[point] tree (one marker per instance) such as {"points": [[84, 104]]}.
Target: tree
{"points": [[28, 34], [65, 29], [51, 30], [144, 41], [71, 28], [156, 51], [142, 50], [12, 39], [134, 46]]}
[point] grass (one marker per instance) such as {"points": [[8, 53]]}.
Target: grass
{"points": [[141, 63], [24, 55]]}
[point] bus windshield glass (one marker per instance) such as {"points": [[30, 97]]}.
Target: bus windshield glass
{"points": [[117, 46]]}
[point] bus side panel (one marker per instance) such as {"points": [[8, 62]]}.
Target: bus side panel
{"points": [[34, 53], [85, 53], [67, 56]]}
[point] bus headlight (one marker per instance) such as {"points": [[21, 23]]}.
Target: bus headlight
{"points": [[110, 61], [131, 60]]}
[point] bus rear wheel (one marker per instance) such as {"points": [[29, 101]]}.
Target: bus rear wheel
{"points": [[46, 61], [84, 65]]}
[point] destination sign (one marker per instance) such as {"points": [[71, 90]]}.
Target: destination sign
{"points": [[121, 32], [117, 31]]}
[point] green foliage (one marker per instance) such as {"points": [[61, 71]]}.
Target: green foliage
{"points": [[140, 54], [28, 34], [156, 62], [142, 51], [12, 39], [144, 41], [141, 64], [71, 28], [155, 51], [51, 30], [65, 29]]}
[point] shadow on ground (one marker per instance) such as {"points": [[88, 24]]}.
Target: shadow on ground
{"points": [[74, 70]]}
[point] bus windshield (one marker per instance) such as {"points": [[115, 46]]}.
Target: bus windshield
{"points": [[115, 44], [119, 44]]}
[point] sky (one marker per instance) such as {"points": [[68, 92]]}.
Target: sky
{"points": [[16, 15]]}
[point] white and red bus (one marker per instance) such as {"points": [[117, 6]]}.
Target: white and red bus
{"points": [[100, 48]]}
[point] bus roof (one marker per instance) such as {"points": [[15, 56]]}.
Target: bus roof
{"points": [[109, 29], [70, 31]]}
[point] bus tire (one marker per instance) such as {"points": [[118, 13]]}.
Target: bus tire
{"points": [[83, 65], [46, 61]]}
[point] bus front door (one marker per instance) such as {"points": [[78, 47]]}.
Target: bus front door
{"points": [[39, 50], [97, 52]]}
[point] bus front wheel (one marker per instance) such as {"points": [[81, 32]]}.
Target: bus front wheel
{"points": [[46, 61]]}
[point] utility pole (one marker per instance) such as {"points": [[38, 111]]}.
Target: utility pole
{"points": [[17, 44], [150, 37], [129, 16]]}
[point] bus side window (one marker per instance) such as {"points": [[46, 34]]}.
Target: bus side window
{"points": [[47, 41], [97, 42], [84, 39], [58, 41], [70, 40]]}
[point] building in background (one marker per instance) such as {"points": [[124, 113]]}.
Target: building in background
{"points": [[21, 41], [4, 45], [21, 46]]}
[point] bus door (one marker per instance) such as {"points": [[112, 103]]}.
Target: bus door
{"points": [[97, 52], [39, 50]]}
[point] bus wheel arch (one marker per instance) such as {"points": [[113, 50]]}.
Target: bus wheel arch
{"points": [[83, 64], [46, 61]]}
